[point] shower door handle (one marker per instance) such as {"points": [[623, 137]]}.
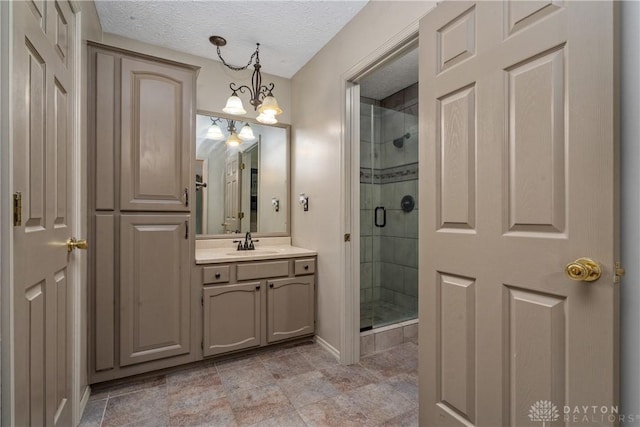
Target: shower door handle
{"points": [[376, 216]]}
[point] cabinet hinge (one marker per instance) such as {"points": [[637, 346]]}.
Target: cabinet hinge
{"points": [[242, 166], [241, 215], [347, 237], [186, 230], [619, 272], [17, 209]]}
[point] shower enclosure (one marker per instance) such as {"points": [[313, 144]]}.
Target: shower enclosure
{"points": [[389, 209]]}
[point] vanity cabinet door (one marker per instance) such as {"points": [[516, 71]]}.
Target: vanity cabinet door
{"points": [[231, 317], [290, 308], [154, 287], [157, 117]]}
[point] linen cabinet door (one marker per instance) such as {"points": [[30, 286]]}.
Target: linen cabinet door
{"points": [[290, 308], [154, 287], [231, 317], [157, 110]]}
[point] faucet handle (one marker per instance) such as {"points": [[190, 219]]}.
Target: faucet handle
{"points": [[239, 242]]}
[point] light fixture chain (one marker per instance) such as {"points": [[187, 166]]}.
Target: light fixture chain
{"points": [[238, 68]]}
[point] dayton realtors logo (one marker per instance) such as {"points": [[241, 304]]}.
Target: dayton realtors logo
{"points": [[545, 411]]}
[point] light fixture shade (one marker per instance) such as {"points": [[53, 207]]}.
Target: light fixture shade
{"points": [[233, 140], [246, 133], [270, 106], [215, 132], [267, 119], [234, 106]]}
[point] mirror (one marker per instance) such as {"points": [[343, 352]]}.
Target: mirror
{"points": [[242, 187]]}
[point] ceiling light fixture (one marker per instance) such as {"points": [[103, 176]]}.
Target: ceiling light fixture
{"points": [[235, 138], [262, 98]]}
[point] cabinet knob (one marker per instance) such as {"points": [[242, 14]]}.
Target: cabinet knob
{"points": [[217, 275], [271, 285], [306, 267], [258, 288]]}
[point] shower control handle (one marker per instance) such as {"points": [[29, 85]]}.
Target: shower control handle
{"points": [[376, 216]]}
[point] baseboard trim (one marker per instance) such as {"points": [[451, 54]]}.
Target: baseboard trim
{"points": [[331, 349]]}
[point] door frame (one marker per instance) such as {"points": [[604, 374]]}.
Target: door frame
{"points": [[396, 46], [78, 226], [6, 243]]}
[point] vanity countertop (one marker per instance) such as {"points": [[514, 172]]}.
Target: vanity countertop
{"points": [[214, 254]]}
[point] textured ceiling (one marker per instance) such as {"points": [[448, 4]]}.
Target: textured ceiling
{"points": [[392, 77], [289, 32]]}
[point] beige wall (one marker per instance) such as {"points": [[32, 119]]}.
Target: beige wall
{"points": [[317, 105], [213, 79]]}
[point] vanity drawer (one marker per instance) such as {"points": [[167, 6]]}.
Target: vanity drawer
{"points": [[217, 274], [305, 266], [263, 270]]}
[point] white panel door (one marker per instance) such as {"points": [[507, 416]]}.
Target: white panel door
{"points": [[518, 166]]}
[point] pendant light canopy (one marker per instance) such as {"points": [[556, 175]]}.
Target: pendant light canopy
{"points": [[262, 98]]}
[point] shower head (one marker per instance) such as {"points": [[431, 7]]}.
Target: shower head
{"points": [[399, 142]]}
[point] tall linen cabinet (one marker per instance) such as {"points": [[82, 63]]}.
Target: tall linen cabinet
{"points": [[141, 132]]}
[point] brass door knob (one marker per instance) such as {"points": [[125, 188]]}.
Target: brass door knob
{"points": [[74, 243], [583, 270]]}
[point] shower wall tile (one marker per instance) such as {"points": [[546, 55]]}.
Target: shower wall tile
{"points": [[392, 277], [405, 251], [386, 249], [395, 223], [406, 302], [366, 196], [365, 154], [411, 224], [376, 250], [366, 275], [411, 281], [394, 101], [365, 125], [410, 95], [412, 110], [366, 222], [366, 246], [392, 125], [366, 295]]}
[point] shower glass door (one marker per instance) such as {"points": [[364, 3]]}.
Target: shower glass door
{"points": [[388, 212]]}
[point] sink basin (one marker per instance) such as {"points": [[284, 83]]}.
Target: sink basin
{"points": [[253, 252]]}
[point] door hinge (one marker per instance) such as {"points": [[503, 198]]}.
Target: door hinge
{"points": [[347, 237], [619, 272], [17, 209], [186, 230]]}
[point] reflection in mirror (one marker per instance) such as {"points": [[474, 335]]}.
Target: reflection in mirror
{"points": [[241, 177]]}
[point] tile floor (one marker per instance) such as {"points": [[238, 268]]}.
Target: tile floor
{"points": [[295, 385]]}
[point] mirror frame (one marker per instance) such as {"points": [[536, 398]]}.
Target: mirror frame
{"points": [[287, 129]]}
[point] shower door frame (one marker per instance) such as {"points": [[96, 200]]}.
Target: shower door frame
{"points": [[395, 47]]}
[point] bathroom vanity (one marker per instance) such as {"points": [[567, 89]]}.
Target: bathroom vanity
{"points": [[254, 298]]}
